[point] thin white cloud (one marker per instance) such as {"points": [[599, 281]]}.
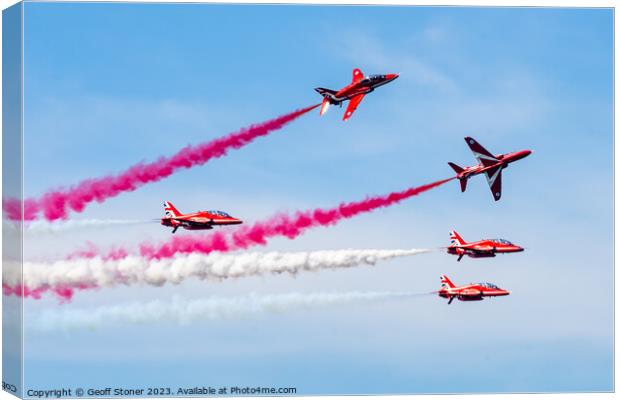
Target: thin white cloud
{"points": [[183, 311], [54, 228]]}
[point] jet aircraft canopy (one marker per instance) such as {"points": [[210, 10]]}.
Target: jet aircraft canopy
{"points": [[220, 213], [502, 241], [488, 285], [373, 78]]}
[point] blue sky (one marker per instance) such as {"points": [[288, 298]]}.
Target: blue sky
{"points": [[107, 85]]}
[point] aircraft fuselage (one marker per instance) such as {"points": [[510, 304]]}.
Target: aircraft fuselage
{"points": [[471, 292], [503, 161]]}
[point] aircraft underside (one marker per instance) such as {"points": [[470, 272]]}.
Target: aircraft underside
{"points": [[470, 298], [481, 255], [196, 227]]}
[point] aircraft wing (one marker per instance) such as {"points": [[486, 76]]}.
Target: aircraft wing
{"points": [[475, 248], [353, 103], [494, 179], [481, 250], [483, 156], [189, 222], [358, 75]]}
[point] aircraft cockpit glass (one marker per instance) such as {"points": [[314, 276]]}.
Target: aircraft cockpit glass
{"points": [[220, 213], [502, 241]]}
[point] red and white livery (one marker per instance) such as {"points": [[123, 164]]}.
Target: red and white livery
{"points": [[354, 92], [489, 165], [200, 220], [481, 248], [470, 292]]}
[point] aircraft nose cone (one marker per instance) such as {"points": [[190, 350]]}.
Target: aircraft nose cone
{"points": [[391, 77]]}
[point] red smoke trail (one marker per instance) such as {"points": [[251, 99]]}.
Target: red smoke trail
{"points": [[278, 225], [64, 293], [92, 251], [55, 204], [242, 238]]}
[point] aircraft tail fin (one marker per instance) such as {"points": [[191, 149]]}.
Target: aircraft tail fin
{"points": [[358, 75], [170, 211], [446, 282], [456, 239], [463, 183]]}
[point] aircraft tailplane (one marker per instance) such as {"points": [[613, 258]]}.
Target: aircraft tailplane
{"points": [[463, 182], [458, 170], [455, 167]]}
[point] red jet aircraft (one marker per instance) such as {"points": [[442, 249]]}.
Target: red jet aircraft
{"points": [[470, 292], [354, 92], [490, 165], [481, 248], [196, 221]]}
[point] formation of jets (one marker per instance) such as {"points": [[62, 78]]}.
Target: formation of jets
{"points": [[488, 164]]}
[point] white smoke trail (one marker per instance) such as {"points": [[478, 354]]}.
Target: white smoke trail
{"points": [[215, 266], [213, 308], [52, 228]]}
